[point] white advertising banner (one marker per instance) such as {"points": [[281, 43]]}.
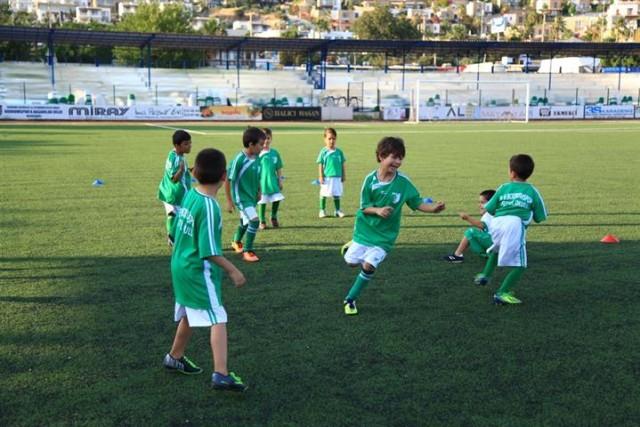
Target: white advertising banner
{"points": [[569, 112], [135, 112], [457, 112], [500, 113], [394, 113], [609, 111]]}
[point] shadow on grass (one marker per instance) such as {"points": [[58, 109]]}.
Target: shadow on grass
{"points": [[426, 344]]}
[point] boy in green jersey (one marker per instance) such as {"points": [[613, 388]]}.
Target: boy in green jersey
{"points": [[331, 173], [243, 191], [176, 180], [196, 264], [270, 182], [377, 224], [514, 206], [477, 237]]}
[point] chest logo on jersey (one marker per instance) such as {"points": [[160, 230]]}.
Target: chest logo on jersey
{"points": [[396, 197]]}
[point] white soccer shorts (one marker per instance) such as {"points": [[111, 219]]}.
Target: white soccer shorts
{"points": [[332, 187], [509, 241], [357, 254], [200, 318]]}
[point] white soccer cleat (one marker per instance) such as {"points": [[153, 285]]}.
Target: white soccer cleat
{"points": [[340, 214], [322, 214]]}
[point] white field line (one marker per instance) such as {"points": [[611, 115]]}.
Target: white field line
{"points": [[174, 128], [424, 131]]}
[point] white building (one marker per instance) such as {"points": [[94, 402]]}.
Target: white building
{"points": [[625, 9], [84, 15]]}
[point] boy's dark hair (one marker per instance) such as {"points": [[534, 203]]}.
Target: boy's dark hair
{"points": [[267, 131], [180, 136], [488, 194], [252, 136], [332, 131], [522, 165], [390, 145], [210, 166]]}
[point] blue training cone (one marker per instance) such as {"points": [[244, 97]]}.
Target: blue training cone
{"points": [[315, 182], [98, 183]]}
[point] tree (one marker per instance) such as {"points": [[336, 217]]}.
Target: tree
{"points": [[214, 28], [558, 27], [457, 32], [530, 21], [84, 53], [620, 30], [322, 24], [17, 51], [149, 18], [380, 24]]}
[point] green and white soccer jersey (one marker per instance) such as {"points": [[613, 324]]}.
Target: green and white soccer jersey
{"points": [[331, 161], [519, 199], [197, 232], [173, 192], [372, 230], [270, 162], [244, 178]]}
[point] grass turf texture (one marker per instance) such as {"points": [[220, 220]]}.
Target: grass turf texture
{"points": [[87, 302]]}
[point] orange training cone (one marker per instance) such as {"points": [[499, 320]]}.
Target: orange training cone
{"points": [[610, 238]]}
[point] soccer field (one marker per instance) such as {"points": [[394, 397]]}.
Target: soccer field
{"points": [[87, 304]]}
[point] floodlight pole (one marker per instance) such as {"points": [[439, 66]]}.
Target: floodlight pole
{"points": [[238, 53], [550, 67], [51, 57], [323, 68], [404, 56], [149, 63]]}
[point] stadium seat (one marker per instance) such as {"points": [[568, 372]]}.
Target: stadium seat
{"points": [[534, 101], [284, 101], [430, 102], [299, 102], [600, 100], [613, 101], [71, 99], [52, 101]]}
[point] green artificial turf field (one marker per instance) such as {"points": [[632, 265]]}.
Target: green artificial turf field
{"points": [[86, 299]]}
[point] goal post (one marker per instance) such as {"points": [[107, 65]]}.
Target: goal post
{"points": [[498, 100]]}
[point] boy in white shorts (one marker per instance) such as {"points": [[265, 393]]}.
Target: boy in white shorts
{"points": [[270, 182], [377, 224], [331, 173], [514, 206], [196, 265], [243, 191], [176, 180]]}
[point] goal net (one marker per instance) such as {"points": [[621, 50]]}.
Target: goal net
{"points": [[471, 100]]}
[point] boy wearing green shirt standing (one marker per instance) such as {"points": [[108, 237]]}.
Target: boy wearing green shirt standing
{"points": [[176, 180], [196, 264], [270, 182], [514, 206], [243, 191], [377, 223]]}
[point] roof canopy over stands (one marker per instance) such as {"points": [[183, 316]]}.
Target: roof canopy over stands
{"points": [[392, 47]]}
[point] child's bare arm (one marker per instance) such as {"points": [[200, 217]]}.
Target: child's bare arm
{"points": [[227, 190], [320, 174], [232, 271], [436, 207], [384, 212], [176, 177], [279, 173], [344, 173], [466, 217]]}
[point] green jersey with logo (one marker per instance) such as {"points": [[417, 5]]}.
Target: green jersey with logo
{"points": [[244, 178], [173, 192], [197, 235], [373, 230], [270, 163], [331, 161], [519, 199]]}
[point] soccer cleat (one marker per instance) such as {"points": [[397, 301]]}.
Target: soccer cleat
{"points": [[480, 279], [230, 382], [250, 256], [237, 247], [182, 365], [345, 247], [453, 258], [275, 223], [350, 308], [339, 214], [506, 298], [322, 214], [263, 225]]}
